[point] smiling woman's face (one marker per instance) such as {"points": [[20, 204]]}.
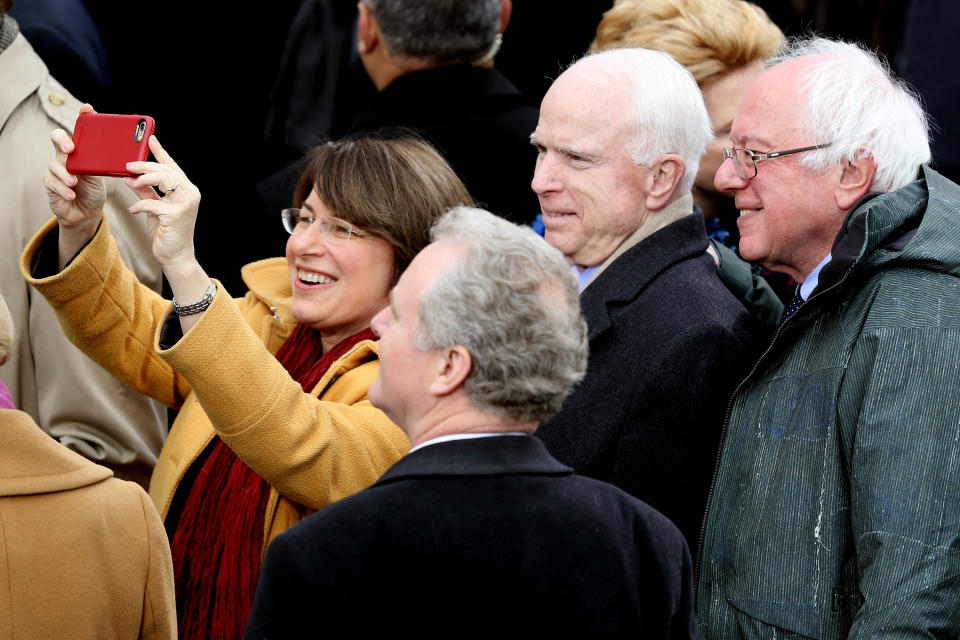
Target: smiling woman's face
{"points": [[337, 289]]}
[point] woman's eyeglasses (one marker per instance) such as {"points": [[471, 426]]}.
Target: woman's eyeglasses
{"points": [[334, 230]]}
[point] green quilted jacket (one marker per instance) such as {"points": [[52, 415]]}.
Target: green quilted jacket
{"points": [[835, 510]]}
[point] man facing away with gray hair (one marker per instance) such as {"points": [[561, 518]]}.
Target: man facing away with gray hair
{"points": [[836, 507], [619, 138], [432, 64], [479, 532]]}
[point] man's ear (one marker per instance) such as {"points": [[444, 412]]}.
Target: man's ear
{"points": [[453, 368], [506, 10], [663, 181], [368, 31], [856, 178]]}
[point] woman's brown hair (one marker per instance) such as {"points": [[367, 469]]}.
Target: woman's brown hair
{"points": [[393, 186]]}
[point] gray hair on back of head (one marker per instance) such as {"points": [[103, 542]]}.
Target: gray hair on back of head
{"points": [[438, 31], [854, 101], [512, 301], [668, 109]]}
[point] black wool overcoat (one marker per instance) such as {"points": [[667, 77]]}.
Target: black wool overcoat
{"points": [[488, 537]]}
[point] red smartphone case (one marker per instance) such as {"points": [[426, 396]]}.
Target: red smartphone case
{"points": [[106, 142]]}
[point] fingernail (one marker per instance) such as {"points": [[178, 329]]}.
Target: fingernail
{"points": [[129, 166]]}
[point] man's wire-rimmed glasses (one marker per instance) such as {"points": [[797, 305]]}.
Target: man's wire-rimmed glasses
{"points": [[745, 160], [334, 230]]}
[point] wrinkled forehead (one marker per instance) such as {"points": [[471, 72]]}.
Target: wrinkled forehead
{"points": [[594, 85], [584, 104], [770, 112], [436, 258]]}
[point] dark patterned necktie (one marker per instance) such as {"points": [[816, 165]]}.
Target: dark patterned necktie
{"points": [[792, 307]]}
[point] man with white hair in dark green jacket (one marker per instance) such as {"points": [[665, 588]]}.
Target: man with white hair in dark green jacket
{"points": [[835, 510]]}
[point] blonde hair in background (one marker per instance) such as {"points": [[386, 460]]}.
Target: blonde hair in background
{"points": [[6, 331], [708, 37]]}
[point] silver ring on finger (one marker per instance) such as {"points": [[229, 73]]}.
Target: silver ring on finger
{"points": [[170, 190]]}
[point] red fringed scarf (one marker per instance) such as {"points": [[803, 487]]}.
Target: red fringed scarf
{"points": [[216, 546]]}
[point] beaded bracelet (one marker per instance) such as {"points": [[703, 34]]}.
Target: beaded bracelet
{"points": [[199, 305]]}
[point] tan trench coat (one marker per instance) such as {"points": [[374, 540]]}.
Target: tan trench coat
{"points": [[68, 395]]}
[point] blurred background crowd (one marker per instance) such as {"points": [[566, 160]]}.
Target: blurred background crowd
{"points": [[228, 88]]}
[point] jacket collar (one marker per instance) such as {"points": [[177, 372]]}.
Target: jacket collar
{"points": [[269, 280], [22, 72], [507, 455], [631, 272], [881, 227], [32, 462], [453, 79], [427, 91], [677, 209]]}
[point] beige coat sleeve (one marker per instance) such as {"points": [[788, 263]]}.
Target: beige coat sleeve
{"points": [[69, 396], [314, 451]]}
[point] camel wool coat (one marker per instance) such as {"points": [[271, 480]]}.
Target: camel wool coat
{"points": [[312, 448], [82, 554]]}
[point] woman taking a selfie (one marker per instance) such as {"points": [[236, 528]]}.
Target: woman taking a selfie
{"points": [[274, 421]]}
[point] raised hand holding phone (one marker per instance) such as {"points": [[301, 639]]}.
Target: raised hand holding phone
{"points": [[76, 200], [172, 216], [171, 219]]}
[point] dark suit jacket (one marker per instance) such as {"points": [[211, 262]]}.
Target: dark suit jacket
{"points": [[479, 122], [668, 343], [489, 537]]}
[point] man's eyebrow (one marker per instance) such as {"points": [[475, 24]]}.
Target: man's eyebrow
{"points": [[572, 150], [751, 142], [306, 205], [566, 149]]}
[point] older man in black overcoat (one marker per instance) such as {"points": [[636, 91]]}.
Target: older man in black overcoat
{"points": [[620, 137], [479, 532]]}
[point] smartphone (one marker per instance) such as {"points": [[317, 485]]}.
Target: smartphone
{"points": [[106, 142]]}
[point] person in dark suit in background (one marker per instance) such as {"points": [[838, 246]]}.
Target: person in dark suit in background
{"points": [[432, 65], [620, 137], [479, 531]]}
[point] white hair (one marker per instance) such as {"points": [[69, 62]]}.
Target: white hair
{"points": [[854, 102], [668, 107], [512, 301]]}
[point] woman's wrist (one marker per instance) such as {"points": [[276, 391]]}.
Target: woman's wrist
{"points": [[73, 238], [188, 281], [189, 284]]}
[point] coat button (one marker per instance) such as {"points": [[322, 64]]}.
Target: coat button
{"points": [[55, 99]]}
